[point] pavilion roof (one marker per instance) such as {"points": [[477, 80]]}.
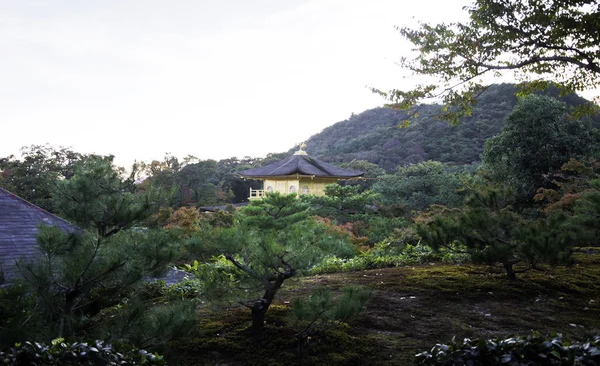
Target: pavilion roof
{"points": [[19, 225], [300, 164]]}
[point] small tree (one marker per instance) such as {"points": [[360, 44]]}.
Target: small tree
{"points": [[585, 219], [492, 233], [272, 241], [321, 310], [342, 203]]}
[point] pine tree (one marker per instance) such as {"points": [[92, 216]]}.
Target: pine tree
{"points": [[492, 233], [272, 241], [81, 273]]}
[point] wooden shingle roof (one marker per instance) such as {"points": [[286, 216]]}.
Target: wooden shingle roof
{"points": [[19, 225], [300, 164]]}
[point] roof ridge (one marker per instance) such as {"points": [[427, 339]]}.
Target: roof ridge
{"points": [[289, 160], [300, 164], [39, 208], [316, 163]]}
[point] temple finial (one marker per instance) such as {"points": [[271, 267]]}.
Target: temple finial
{"points": [[301, 146]]}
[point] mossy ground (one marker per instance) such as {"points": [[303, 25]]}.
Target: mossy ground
{"points": [[412, 309]]}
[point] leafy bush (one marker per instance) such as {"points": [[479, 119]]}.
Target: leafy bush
{"points": [[531, 350], [381, 257], [188, 288], [77, 353]]}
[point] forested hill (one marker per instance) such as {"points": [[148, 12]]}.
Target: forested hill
{"points": [[374, 135]]}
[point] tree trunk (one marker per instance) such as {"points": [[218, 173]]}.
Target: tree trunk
{"points": [[70, 297], [260, 307], [510, 273], [258, 318]]}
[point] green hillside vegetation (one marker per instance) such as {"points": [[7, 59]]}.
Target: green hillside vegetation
{"points": [[374, 135]]}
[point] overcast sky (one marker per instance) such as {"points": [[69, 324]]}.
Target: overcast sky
{"points": [[211, 78]]}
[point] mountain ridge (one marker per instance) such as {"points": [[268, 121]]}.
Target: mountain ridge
{"points": [[374, 136]]}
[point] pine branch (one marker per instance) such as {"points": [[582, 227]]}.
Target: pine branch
{"points": [[247, 269]]}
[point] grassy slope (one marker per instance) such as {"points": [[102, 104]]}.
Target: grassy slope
{"points": [[413, 308]]}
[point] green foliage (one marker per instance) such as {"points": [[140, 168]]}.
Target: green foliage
{"points": [[195, 182], [574, 179], [161, 175], [159, 291], [492, 232], [586, 216], [133, 321], [275, 212], [538, 137], [534, 41], [97, 198], [533, 349], [59, 352], [383, 256], [377, 227], [34, 176], [78, 276], [17, 313], [341, 203], [185, 220], [254, 259], [272, 241], [371, 172], [421, 185], [321, 310], [354, 210], [81, 273], [198, 184], [373, 135]]}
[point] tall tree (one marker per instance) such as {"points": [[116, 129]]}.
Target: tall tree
{"points": [[81, 273], [34, 176], [199, 184], [535, 40], [538, 137]]}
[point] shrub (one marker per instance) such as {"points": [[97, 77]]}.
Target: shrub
{"points": [[187, 288], [321, 310], [381, 257], [18, 318], [531, 350], [77, 353]]}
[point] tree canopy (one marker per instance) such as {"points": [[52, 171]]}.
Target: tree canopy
{"points": [[538, 137], [537, 40], [272, 241]]}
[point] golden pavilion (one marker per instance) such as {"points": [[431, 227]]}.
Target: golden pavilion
{"points": [[299, 174]]}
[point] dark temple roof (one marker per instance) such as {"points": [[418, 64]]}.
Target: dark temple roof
{"points": [[19, 223], [300, 164]]}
